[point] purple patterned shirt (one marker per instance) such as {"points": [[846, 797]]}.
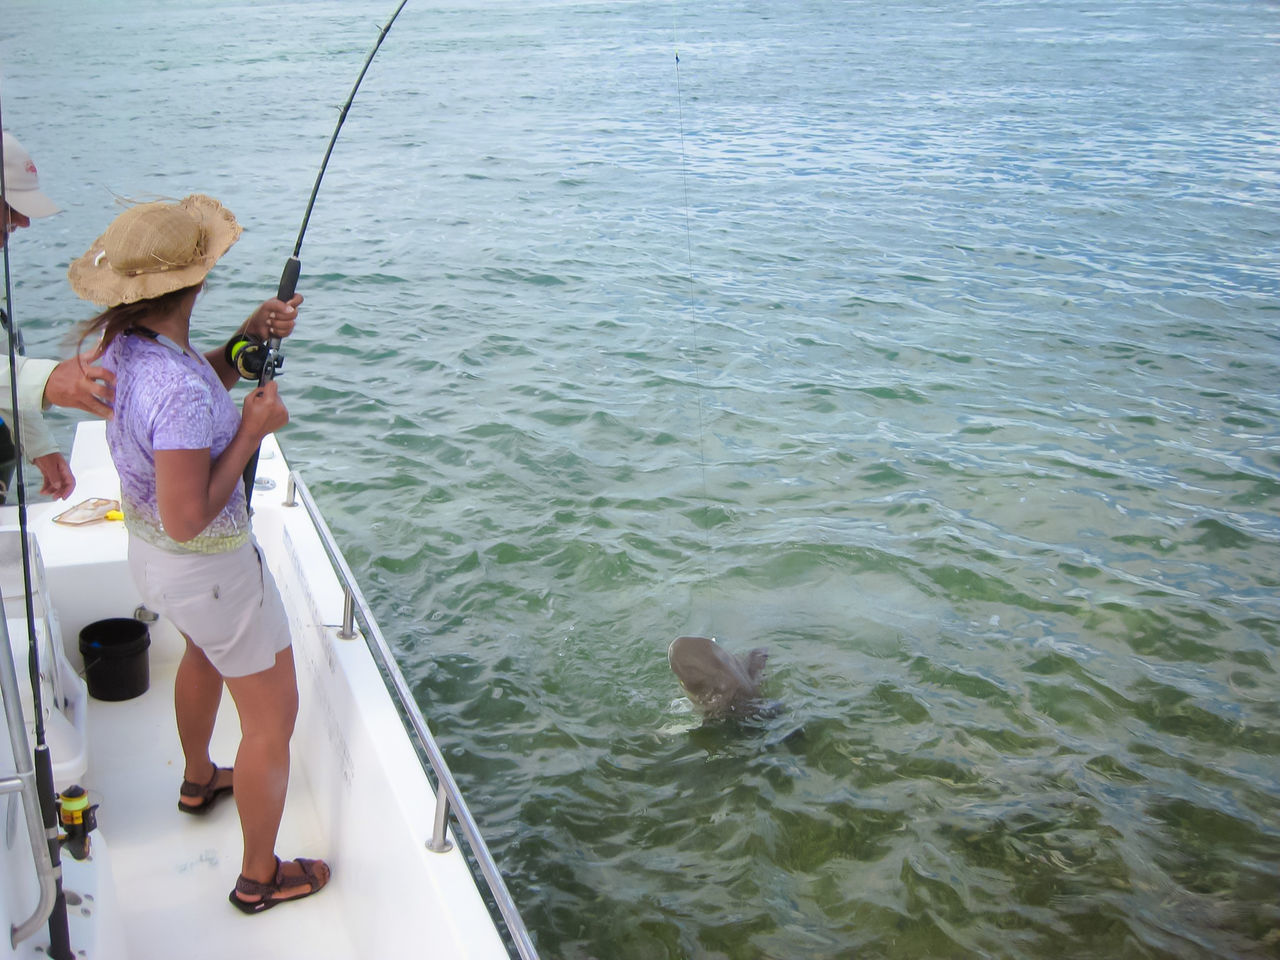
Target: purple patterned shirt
{"points": [[168, 400]]}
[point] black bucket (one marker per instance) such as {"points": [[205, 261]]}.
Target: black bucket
{"points": [[115, 658]]}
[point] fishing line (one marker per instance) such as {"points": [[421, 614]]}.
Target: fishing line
{"points": [[693, 320], [269, 357], [59, 935]]}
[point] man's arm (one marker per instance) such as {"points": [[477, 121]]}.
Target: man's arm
{"points": [[77, 384]]}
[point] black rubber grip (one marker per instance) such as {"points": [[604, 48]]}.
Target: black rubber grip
{"points": [[289, 279]]}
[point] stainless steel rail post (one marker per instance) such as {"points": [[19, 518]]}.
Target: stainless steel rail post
{"points": [[440, 842]]}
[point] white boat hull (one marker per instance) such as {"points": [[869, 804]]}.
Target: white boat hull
{"points": [[157, 881]]}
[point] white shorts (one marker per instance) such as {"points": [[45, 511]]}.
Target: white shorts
{"points": [[226, 603]]}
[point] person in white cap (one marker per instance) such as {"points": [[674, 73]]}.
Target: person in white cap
{"points": [[42, 383]]}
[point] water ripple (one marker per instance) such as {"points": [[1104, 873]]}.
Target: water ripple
{"points": [[933, 349]]}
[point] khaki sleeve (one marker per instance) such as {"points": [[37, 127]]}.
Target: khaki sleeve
{"points": [[33, 374]]}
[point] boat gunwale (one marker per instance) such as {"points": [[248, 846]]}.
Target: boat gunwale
{"points": [[291, 548], [449, 800]]}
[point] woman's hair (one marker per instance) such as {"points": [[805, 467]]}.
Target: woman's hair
{"points": [[113, 321]]}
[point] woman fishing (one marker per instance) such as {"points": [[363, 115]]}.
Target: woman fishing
{"points": [[180, 449]]}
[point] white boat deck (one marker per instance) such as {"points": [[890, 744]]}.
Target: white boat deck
{"points": [[358, 797], [173, 871]]}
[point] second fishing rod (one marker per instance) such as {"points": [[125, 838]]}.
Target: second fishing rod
{"points": [[261, 361]]}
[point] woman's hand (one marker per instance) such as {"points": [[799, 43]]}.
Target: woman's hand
{"points": [[264, 411], [274, 319]]}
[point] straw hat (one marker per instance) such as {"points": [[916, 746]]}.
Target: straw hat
{"points": [[153, 249]]}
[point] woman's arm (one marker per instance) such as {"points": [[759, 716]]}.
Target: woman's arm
{"points": [[272, 319], [192, 487]]}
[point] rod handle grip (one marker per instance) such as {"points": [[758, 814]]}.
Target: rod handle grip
{"points": [[289, 279], [288, 283]]}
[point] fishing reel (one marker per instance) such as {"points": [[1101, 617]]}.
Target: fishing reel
{"points": [[248, 355], [78, 819]]}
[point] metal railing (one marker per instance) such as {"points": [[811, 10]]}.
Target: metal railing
{"points": [[448, 796], [23, 782]]}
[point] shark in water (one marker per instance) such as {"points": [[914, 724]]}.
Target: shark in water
{"points": [[721, 684]]}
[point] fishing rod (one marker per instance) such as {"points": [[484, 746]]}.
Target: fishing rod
{"points": [[694, 319], [264, 361], [42, 760]]}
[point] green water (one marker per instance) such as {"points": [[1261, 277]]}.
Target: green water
{"points": [[931, 346]]}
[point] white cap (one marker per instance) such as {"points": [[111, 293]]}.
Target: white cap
{"points": [[22, 183]]}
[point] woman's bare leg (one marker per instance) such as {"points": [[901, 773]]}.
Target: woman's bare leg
{"points": [[197, 692], [268, 706]]}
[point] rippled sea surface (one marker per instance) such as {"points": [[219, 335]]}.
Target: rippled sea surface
{"points": [[932, 346]]}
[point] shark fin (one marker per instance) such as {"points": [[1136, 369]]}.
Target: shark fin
{"points": [[754, 663]]}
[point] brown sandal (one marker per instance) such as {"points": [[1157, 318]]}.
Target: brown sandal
{"points": [[207, 793], [266, 892]]}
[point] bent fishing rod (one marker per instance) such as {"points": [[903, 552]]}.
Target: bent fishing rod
{"points": [[38, 766], [263, 360]]}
